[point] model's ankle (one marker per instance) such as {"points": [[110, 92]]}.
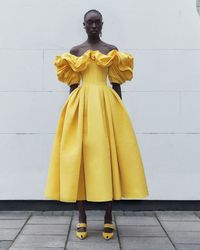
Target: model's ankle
{"points": [[82, 218], [108, 218]]}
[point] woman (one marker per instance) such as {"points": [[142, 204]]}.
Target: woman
{"points": [[95, 155]]}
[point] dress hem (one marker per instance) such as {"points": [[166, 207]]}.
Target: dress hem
{"points": [[122, 198]]}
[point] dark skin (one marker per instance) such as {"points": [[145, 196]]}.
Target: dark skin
{"points": [[93, 25]]}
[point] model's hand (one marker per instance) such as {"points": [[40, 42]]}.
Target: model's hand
{"points": [[117, 88], [73, 86]]}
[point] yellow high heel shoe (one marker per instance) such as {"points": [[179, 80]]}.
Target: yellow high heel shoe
{"points": [[81, 235], [108, 235]]}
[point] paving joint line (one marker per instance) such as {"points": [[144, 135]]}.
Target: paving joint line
{"points": [[196, 214], [117, 232], [165, 230], [21, 229], [70, 224]]}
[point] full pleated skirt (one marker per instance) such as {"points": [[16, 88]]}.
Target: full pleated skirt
{"points": [[95, 155]]}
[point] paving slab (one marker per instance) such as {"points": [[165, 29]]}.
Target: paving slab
{"points": [[181, 225], [140, 213], [47, 213], [5, 244], [177, 215], [31, 241], [46, 219], [59, 213], [12, 223], [185, 237], [136, 220], [197, 213], [36, 212], [8, 233], [69, 213], [118, 212], [187, 247], [132, 230], [146, 243], [36, 248], [86, 245], [13, 215], [15, 212], [41, 229]]}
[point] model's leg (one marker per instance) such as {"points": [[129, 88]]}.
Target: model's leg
{"points": [[108, 215], [82, 214]]}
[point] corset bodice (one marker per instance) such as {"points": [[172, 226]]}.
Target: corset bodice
{"points": [[94, 74]]}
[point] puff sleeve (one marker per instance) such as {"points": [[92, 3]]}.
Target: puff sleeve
{"points": [[65, 71], [121, 68]]}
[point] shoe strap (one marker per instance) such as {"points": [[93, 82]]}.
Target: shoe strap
{"points": [[110, 225], [81, 224]]}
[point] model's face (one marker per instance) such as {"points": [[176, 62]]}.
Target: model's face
{"points": [[93, 24]]}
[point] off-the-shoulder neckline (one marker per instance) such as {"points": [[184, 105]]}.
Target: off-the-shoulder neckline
{"points": [[94, 51]]}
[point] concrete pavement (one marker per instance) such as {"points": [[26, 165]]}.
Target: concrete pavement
{"points": [[141, 230]]}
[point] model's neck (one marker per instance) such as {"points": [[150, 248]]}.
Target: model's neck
{"points": [[93, 39]]}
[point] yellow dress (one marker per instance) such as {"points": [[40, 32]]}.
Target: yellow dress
{"points": [[95, 154]]}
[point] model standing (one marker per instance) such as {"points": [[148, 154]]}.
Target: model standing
{"points": [[95, 155]]}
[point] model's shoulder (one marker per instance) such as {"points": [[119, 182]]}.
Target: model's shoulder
{"points": [[75, 50], [78, 49], [110, 47]]}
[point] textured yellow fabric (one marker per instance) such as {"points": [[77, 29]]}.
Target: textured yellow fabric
{"points": [[95, 154]]}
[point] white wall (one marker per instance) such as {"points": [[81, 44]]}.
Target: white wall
{"points": [[163, 99]]}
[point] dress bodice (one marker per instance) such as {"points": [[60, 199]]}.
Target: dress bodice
{"points": [[94, 67], [94, 74]]}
